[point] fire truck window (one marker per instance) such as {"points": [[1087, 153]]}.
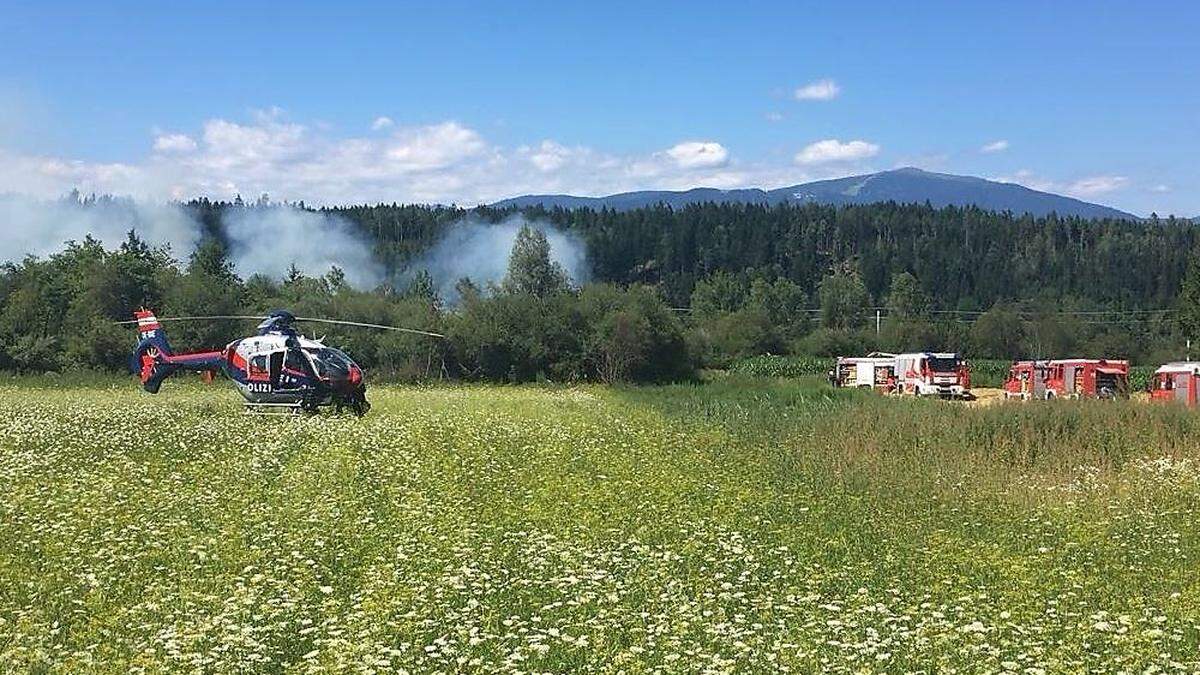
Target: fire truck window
{"points": [[943, 364]]}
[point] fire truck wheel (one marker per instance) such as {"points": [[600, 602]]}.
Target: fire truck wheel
{"points": [[1049, 396]]}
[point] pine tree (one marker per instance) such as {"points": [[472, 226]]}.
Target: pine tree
{"points": [[1188, 303]]}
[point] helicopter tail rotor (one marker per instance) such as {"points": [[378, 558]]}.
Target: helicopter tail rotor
{"points": [[149, 359]]}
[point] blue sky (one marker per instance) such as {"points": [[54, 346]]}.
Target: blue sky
{"points": [[468, 102]]}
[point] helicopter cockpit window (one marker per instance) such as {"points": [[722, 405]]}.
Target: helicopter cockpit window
{"points": [[330, 362]]}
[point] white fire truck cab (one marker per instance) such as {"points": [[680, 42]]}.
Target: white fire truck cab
{"points": [[876, 370], [943, 374]]}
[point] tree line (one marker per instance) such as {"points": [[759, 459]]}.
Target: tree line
{"points": [[672, 290], [61, 313]]}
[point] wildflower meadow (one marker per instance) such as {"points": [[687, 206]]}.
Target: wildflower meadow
{"points": [[742, 525]]}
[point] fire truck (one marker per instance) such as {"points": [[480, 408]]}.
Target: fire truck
{"points": [[943, 374], [1026, 380], [1088, 378], [876, 370], [1068, 378], [1179, 381]]}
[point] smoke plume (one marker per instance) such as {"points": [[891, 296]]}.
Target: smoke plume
{"points": [[480, 250], [262, 239], [31, 226], [270, 240]]}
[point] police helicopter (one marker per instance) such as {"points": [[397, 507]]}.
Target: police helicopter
{"points": [[276, 370]]}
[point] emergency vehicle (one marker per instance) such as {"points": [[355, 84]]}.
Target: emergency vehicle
{"points": [[1068, 378], [944, 374], [876, 370], [1179, 381], [1026, 380]]}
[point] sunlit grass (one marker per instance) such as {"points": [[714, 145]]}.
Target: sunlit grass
{"points": [[735, 526]]}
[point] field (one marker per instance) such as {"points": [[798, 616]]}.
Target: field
{"points": [[740, 525]]}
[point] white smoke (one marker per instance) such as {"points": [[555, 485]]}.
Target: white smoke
{"points": [[479, 250], [30, 226], [269, 240]]}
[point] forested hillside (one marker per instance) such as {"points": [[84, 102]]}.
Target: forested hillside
{"points": [[669, 290], [965, 258]]}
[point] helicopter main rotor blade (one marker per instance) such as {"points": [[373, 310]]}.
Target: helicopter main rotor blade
{"points": [[336, 322], [370, 325], [199, 318]]}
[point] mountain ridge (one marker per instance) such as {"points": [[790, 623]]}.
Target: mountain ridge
{"points": [[904, 185]]}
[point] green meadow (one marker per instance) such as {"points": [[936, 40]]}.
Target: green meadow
{"points": [[739, 525]]}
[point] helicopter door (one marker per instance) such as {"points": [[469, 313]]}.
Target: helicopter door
{"points": [[276, 368]]}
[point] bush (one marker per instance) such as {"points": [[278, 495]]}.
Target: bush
{"points": [[632, 336], [835, 342]]}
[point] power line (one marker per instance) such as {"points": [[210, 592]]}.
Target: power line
{"points": [[977, 313]]}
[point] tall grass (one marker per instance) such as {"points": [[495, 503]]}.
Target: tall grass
{"points": [[744, 525]]}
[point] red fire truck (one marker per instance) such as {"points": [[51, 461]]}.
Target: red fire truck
{"points": [[1026, 380], [1088, 378], [1068, 378], [943, 374], [1179, 381]]}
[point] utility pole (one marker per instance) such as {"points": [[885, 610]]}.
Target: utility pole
{"points": [[877, 321]]}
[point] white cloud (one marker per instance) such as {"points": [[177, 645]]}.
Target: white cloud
{"points": [[447, 162], [1160, 188], [1096, 185], [382, 122], [1028, 179], [820, 90], [174, 143], [1085, 187], [698, 154], [270, 142], [774, 116], [995, 146], [548, 156], [833, 150], [433, 147]]}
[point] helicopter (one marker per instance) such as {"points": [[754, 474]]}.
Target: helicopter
{"points": [[277, 370]]}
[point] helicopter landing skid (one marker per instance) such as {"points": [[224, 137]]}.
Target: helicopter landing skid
{"points": [[284, 409]]}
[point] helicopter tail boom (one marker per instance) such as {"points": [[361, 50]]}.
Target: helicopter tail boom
{"points": [[153, 361]]}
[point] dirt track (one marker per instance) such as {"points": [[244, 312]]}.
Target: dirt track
{"points": [[985, 396]]}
